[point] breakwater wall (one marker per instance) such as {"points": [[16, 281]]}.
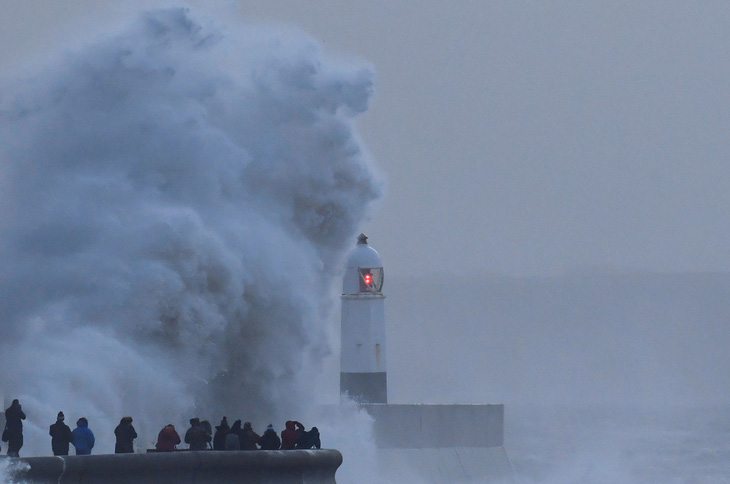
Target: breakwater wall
{"points": [[436, 426], [441, 443], [182, 467]]}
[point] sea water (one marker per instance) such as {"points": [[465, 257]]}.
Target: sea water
{"points": [[619, 444]]}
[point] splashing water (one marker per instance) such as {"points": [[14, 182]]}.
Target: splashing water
{"points": [[176, 203]]}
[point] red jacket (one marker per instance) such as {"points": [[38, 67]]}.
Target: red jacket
{"points": [[289, 435], [167, 439]]}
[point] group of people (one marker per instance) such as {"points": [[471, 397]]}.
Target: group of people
{"points": [[199, 436], [82, 438], [62, 437]]}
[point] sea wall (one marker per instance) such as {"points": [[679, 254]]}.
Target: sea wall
{"points": [[441, 444], [204, 467], [436, 426]]}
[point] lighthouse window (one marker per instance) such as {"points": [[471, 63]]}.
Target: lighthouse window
{"points": [[371, 279]]}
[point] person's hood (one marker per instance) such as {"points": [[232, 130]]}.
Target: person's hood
{"points": [[82, 423], [289, 425]]}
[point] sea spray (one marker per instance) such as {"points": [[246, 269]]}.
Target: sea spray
{"points": [[177, 199]]}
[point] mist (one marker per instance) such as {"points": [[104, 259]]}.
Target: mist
{"points": [[178, 197], [605, 376], [594, 338]]}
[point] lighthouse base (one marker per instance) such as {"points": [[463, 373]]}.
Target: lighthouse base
{"points": [[371, 387]]}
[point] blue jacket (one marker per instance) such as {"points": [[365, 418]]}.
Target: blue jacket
{"points": [[82, 437]]}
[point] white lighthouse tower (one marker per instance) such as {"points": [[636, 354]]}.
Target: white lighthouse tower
{"points": [[362, 357]]}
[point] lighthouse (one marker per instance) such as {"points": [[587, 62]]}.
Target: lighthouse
{"points": [[440, 443], [363, 373]]}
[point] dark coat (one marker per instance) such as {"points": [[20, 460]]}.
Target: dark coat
{"points": [[307, 440], [219, 439], [198, 437], [249, 438], [60, 437], [14, 417], [270, 441], [13, 432], [125, 437]]}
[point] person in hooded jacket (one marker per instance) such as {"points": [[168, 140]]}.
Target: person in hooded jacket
{"points": [[269, 440], [167, 439], [13, 433], [125, 436], [234, 436], [82, 438], [60, 436], [219, 438], [249, 438], [289, 434]]}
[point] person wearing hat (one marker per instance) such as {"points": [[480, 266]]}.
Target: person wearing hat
{"points": [[219, 439], [269, 440], [125, 436], [60, 436]]}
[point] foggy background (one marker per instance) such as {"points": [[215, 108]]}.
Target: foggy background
{"points": [[518, 138], [554, 227]]}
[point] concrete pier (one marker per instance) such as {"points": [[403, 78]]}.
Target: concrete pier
{"points": [[441, 443], [204, 467]]}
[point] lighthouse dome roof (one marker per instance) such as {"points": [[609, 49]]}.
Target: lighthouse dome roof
{"points": [[362, 256]]}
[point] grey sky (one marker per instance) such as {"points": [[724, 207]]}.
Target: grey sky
{"points": [[517, 137]]}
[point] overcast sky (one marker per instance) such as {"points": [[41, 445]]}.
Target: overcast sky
{"points": [[519, 138]]}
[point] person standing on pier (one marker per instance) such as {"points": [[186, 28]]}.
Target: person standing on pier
{"points": [[167, 439], [13, 433], [219, 439], [250, 437], [60, 436], [125, 436], [269, 440], [197, 435], [82, 438]]}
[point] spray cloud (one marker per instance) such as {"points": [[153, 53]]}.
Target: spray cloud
{"points": [[176, 202]]}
